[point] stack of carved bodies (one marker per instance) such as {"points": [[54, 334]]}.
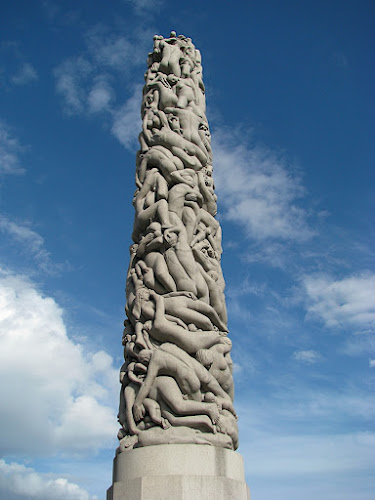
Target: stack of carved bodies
{"points": [[177, 384]]}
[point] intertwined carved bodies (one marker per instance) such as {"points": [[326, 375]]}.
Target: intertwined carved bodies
{"points": [[177, 384]]}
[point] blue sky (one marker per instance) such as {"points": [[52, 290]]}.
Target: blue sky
{"points": [[290, 103]]}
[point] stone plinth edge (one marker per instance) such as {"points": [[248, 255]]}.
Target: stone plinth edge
{"points": [[178, 471]]}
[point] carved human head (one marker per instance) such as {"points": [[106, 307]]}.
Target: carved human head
{"points": [[203, 127], [147, 325], [174, 122], [209, 397], [205, 357], [172, 79], [144, 356], [154, 227], [133, 249], [148, 100]]}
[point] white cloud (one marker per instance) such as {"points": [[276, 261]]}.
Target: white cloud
{"points": [[325, 404], [58, 398], [357, 345], [111, 51], [31, 243], [346, 303], [71, 78], [372, 363], [257, 190], [18, 482], [25, 74], [127, 120], [25, 235], [100, 95], [9, 151], [84, 81], [309, 356]]}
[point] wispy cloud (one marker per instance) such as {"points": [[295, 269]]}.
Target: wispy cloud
{"points": [[70, 76], [357, 345], [372, 363], [127, 121], [86, 82], [342, 303], [113, 51], [32, 244], [258, 189], [10, 149], [15, 70], [24, 234], [18, 482], [310, 357], [25, 74], [100, 95]]}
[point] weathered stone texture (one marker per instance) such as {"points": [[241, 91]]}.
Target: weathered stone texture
{"points": [[176, 381]]}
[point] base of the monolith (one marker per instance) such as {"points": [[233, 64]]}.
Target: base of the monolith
{"points": [[178, 471]]}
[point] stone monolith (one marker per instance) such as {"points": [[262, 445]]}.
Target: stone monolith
{"points": [[178, 423]]}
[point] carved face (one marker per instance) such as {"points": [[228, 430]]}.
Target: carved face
{"points": [[207, 172], [204, 130], [172, 79], [149, 99], [147, 325], [188, 174], [133, 248], [174, 123], [144, 356], [205, 357], [154, 228], [143, 294]]}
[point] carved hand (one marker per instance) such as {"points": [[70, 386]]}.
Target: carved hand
{"points": [[138, 412]]}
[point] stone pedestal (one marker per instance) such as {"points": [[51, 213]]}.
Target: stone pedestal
{"points": [[178, 472]]}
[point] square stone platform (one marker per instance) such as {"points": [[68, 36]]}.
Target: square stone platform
{"points": [[178, 472]]}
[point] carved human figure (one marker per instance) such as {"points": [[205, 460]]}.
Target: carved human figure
{"points": [[149, 250], [157, 157], [163, 329], [189, 153], [206, 187], [185, 199], [179, 305], [190, 376], [227, 423], [151, 202], [194, 128], [180, 260], [131, 383], [218, 362], [171, 54]]}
